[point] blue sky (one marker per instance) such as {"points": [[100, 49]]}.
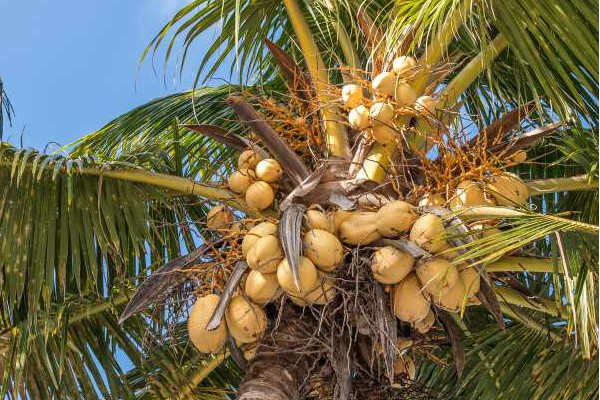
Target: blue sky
{"points": [[70, 66]]}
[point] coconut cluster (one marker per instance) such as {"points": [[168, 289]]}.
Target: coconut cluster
{"points": [[393, 97], [257, 179]]}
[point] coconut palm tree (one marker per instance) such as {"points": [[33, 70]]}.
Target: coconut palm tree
{"points": [[105, 246]]}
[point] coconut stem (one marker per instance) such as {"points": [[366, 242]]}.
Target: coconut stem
{"points": [[335, 133], [542, 186]]}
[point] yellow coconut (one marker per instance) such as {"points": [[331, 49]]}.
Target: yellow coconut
{"points": [[358, 118], [339, 216], [239, 181], [246, 321], [391, 265], [262, 288], [426, 105], [508, 189], [323, 249], [298, 301], [384, 84], [204, 340], [260, 195], [219, 217], [265, 255], [381, 112], [437, 275], [432, 200], [317, 219], [359, 228], [471, 279], [383, 134], [260, 230], [517, 157], [403, 64], [395, 218], [429, 233], [405, 366], [425, 324], [469, 194], [322, 294], [410, 303], [248, 159], [453, 299], [268, 170], [446, 253], [352, 95], [405, 95], [307, 273]]}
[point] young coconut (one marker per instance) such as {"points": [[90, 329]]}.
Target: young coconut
{"points": [[358, 118], [317, 219], [471, 279], [260, 230], [425, 324], [322, 294], [508, 189], [403, 64], [453, 299], [265, 255], [269, 170], [384, 84], [219, 217], [359, 228], [239, 181], [405, 366], [426, 105], [383, 134], [391, 265], [246, 321], [469, 194], [352, 95], [340, 216], [395, 218], [432, 200], [429, 233], [404, 94], [381, 112], [248, 159], [262, 288], [204, 340], [323, 249], [437, 275], [260, 195], [307, 273], [410, 305]]}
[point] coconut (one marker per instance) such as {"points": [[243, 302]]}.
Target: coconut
{"points": [[395, 217], [391, 265], [383, 134], [219, 217], [298, 301], [429, 233], [246, 321], [339, 216], [404, 95], [437, 275], [268, 170], [323, 249], [410, 304], [316, 219], [518, 157], [260, 230], [352, 95], [239, 181], [384, 84], [432, 200], [322, 294], [358, 118], [453, 299], [405, 366], [469, 194], [265, 255], [446, 253], [359, 228], [262, 288], [426, 105], [248, 159], [403, 64], [508, 189], [204, 340], [471, 279], [307, 273], [381, 112], [425, 324], [260, 195]]}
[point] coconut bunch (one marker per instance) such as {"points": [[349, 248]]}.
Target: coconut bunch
{"points": [[393, 97]]}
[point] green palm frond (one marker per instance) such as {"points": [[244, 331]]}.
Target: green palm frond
{"points": [[6, 109]]}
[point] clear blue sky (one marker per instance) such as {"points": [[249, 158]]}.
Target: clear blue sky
{"points": [[70, 66]]}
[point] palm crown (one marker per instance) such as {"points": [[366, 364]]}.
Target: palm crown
{"points": [[81, 232]]}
